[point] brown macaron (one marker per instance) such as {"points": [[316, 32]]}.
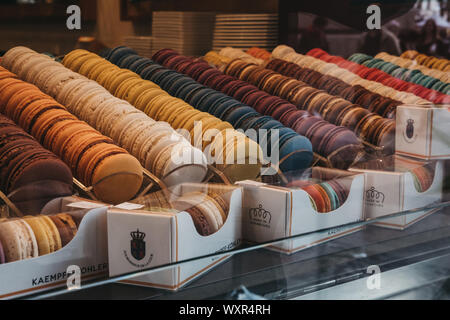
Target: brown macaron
{"points": [[66, 226]]}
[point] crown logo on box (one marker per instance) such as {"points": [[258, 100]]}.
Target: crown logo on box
{"points": [[374, 195], [260, 214], [137, 235]]}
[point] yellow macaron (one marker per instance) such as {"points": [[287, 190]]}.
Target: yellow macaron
{"points": [[125, 86], [118, 78], [139, 92], [88, 65]]}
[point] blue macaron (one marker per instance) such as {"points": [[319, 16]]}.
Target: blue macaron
{"points": [[198, 96], [118, 53], [178, 84], [222, 104], [128, 60], [168, 81], [148, 72], [159, 74], [208, 103], [205, 103], [236, 114], [296, 154], [188, 89], [246, 117], [256, 123], [140, 64], [332, 195]]}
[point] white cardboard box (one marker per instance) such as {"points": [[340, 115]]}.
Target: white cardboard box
{"points": [[389, 192], [87, 250], [272, 212], [423, 131], [169, 238]]}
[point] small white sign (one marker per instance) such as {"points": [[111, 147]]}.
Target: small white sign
{"points": [[86, 205], [129, 206]]}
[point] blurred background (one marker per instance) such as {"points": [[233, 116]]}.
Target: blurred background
{"points": [[337, 26]]}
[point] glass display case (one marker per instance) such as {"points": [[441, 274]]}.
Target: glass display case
{"points": [[373, 263], [202, 150]]}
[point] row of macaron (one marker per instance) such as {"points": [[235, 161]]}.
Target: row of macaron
{"points": [[233, 53], [357, 94], [159, 105], [409, 75], [23, 161], [161, 154], [422, 174], [444, 76], [427, 61], [259, 53], [287, 53], [326, 138], [209, 210], [421, 74], [34, 236], [294, 150], [367, 125], [325, 196], [215, 59], [381, 77], [437, 73], [93, 158]]}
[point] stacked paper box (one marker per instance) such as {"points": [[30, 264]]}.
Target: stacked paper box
{"points": [[189, 33]]}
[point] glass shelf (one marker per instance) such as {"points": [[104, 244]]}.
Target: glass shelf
{"points": [[414, 263]]}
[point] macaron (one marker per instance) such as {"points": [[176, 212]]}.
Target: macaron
{"points": [[18, 240], [66, 227], [46, 233], [205, 211]]}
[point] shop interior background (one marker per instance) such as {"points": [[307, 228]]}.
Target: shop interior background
{"points": [[41, 24]]}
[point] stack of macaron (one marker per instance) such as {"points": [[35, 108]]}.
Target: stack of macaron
{"points": [[155, 201], [295, 150], [427, 61], [259, 53], [167, 154], [215, 59], [320, 134], [208, 211], [287, 53], [357, 94], [325, 196], [204, 130], [408, 75], [338, 111], [381, 77], [233, 53], [423, 177], [34, 236], [94, 159], [444, 76], [24, 162]]}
